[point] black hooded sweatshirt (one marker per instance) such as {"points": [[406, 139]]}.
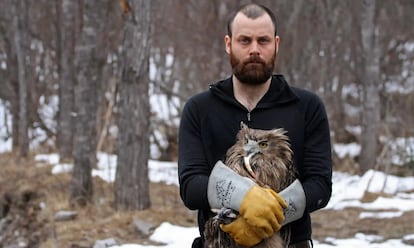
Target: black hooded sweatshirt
{"points": [[211, 120]]}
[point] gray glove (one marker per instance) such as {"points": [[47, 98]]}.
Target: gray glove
{"points": [[296, 199], [226, 188]]}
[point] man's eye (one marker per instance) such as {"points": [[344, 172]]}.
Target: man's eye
{"points": [[244, 41], [263, 41]]}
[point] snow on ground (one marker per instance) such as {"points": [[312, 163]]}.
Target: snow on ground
{"points": [[347, 192]]}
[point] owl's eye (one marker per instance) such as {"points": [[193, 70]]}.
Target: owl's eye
{"points": [[263, 144], [246, 141]]}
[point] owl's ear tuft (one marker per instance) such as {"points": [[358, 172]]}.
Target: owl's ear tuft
{"points": [[243, 125], [279, 131]]}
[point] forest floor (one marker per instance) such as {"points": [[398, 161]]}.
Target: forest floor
{"points": [[30, 196]]}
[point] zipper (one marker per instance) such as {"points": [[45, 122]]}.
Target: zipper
{"points": [[248, 116]]}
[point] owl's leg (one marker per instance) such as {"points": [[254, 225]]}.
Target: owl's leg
{"points": [[225, 215]]}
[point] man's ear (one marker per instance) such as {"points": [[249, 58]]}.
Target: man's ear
{"points": [[277, 40], [227, 42]]}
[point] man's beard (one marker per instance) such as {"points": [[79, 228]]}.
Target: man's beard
{"points": [[253, 71]]}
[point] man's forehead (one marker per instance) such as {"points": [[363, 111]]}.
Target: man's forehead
{"points": [[243, 25]]}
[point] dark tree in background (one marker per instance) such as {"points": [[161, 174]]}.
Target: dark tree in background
{"points": [[68, 32], [90, 60], [132, 182], [21, 44]]}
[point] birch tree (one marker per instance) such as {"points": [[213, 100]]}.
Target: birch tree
{"points": [[9, 80], [371, 83]]}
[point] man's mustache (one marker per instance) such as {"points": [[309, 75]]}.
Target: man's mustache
{"points": [[254, 59]]}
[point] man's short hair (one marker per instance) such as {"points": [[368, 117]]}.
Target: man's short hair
{"points": [[252, 11]]}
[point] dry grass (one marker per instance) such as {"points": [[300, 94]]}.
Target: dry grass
{"points": [[96, 221]]}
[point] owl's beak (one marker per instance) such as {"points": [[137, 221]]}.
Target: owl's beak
{"points": [[251, 148], [248, 166]]}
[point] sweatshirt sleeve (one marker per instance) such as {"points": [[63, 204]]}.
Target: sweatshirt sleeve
{"points": [[317, 160], [193, 169]]}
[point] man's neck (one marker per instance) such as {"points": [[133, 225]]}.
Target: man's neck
{"points": [[249, 95]]}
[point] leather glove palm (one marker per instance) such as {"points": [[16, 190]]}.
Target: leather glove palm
{"points": [[242, 232], [262, 208]]}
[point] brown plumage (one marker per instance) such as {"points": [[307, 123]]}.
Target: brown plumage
{"points": [[266, 157]]}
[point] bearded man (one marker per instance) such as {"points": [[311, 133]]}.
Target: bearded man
{"points": [[253, 95]]}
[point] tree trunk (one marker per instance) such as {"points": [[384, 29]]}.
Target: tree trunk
{"points": [[371, 82], [132, 183], [90, 57], [20, 41], [67, 80]]}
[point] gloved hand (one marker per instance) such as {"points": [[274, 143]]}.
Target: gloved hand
{"points": [[242, 232], [261, 208]]}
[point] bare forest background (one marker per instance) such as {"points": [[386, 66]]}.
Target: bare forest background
{"points": [[97, 64]]}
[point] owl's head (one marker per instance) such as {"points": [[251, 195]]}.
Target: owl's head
{"points": [[266, 144], [262, 155]]}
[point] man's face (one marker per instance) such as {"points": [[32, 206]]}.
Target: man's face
{"points": [[252, 48]]}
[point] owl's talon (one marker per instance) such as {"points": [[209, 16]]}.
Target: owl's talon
{"points": [[226, 215]]}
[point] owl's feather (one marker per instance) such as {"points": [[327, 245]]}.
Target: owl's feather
{"points": [[266, 157]]}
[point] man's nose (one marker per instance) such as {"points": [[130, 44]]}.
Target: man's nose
{"points": [[254, 48]]}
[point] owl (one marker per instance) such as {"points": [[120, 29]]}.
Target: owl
{"points": [[264, 156]]}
